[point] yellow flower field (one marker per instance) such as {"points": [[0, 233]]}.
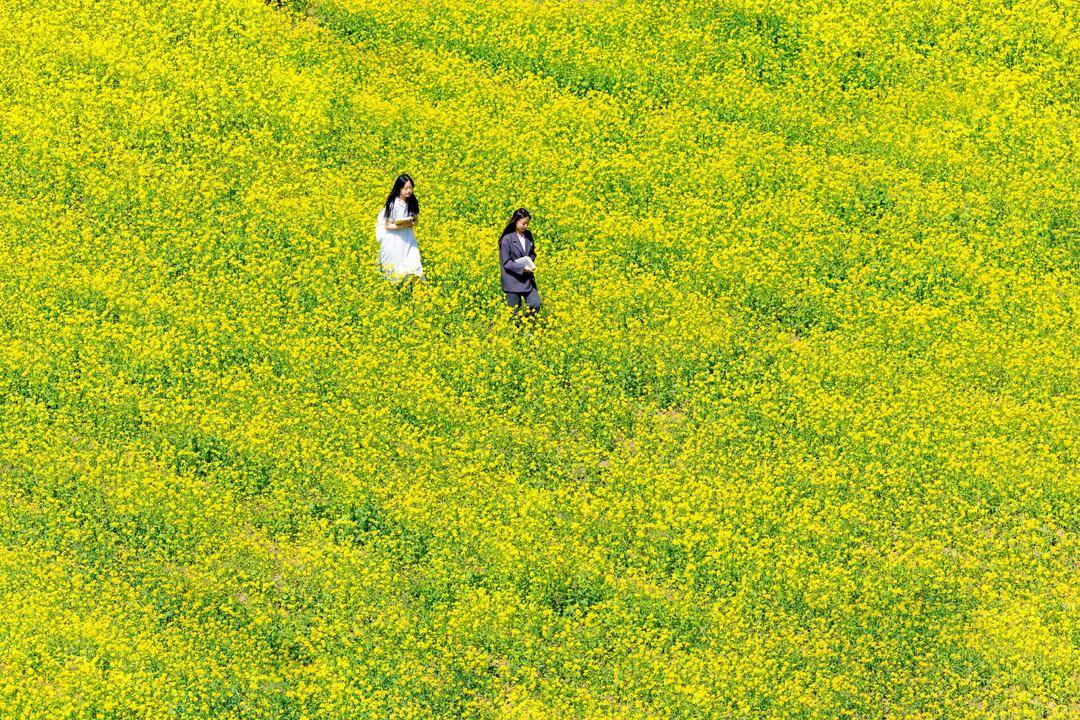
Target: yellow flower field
{"points": [[793, 436]]}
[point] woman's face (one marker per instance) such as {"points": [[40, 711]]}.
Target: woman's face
{"points": [[522, 223], [406, 191]]}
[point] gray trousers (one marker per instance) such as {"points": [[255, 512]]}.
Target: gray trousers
{"points": [[532, 299]]}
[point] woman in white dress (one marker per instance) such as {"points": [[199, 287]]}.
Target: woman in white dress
{"points": [[399, 255]]}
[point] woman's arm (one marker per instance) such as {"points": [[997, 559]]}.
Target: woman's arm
{"points": [[401, 224], [504, 255], [516, 265]]}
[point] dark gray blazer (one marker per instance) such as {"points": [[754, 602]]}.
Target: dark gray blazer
{"points": [[514, 280]]}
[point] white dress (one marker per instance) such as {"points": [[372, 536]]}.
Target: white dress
{"points": [[399, 255]]}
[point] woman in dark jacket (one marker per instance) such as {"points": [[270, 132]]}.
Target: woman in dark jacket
{"points": [[517, 258]]}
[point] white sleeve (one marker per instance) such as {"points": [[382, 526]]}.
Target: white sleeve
{"points": [[380, 225]]}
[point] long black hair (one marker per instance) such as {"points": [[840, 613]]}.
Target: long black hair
{"points": [[512, 225], [412, 205]]}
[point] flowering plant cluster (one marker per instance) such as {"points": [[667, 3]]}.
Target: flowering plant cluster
{"points": [[793, 436]]}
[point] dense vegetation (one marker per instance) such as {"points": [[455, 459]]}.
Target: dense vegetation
{"points": [[794, 436]]}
